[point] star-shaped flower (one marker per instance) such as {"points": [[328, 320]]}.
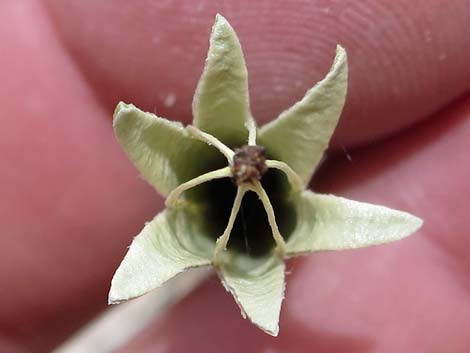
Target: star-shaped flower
{"points": [[236, 194]]}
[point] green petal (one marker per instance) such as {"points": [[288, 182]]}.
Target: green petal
{"points": [[161, 149], [166, 246], [258, 288], [300, 135], [221, 102], [327, 222]]}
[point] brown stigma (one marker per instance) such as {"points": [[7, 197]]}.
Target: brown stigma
{"points": [[249, 163]]}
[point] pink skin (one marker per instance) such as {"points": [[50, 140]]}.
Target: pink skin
{"points": [[71, 201]]}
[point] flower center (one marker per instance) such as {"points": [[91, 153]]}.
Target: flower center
{"points": [[249, 164], [246, 166]]}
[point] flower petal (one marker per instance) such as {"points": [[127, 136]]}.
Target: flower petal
{"points": [[257, 286], [161, 149], [300, 135], [167, 245], [327, 222], [221, 101]]}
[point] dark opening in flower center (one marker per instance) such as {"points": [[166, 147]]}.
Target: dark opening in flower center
{"points": [[249, 163], [251, 233]]}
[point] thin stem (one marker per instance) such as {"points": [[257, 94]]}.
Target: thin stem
{"points": [[251, 126], [172, 199], [292, 176], [222, 241], [212, 141], [280, 243]]}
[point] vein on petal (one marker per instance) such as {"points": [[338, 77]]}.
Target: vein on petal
{"points": [[292, 176], [251, 126], [222, 241], [211, 141], [172, 199], [280, 243]]}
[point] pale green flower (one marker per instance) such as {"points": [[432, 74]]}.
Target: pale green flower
{"points": [[220, 211]]}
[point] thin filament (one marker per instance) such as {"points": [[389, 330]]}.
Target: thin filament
{"points": [[222, 241], [215, 174], [251, 126], [292, 176], [280, 243], [212, 141]]}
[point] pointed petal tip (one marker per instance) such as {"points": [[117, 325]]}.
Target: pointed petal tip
{"points": [[419, 222], [220, 21], [116, 294], [341, 56], [272, 331], [121, 109], [219, 18], [415, 223], [411, 224], [340, 49], [121, 106], [113, 298], [221, 24], [259, 299]]}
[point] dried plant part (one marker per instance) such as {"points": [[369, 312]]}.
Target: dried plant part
{"points": [[251, 211]]}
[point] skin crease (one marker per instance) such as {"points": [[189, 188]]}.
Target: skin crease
{"points": [[71, 201]]}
